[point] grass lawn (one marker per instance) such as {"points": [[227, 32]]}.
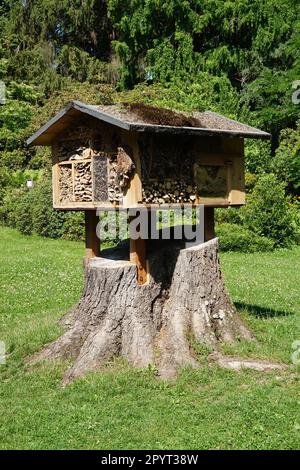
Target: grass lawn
{"points": [[122, 408]]}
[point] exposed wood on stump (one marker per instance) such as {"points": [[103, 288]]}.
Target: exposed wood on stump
{"points": [[209, 223], [138, 256], [151, 324], [92, 242]]}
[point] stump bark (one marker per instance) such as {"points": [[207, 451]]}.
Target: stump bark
{"points": [[184, 300]]}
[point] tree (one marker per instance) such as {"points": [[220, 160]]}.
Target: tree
{"points": [[42, 36], [254, 44]]}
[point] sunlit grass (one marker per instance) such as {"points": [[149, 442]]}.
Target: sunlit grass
{"points": [[123, 408]]}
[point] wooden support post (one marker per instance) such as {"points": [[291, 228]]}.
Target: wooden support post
{"points": [[209, 223], [138, 256], [92, 242], [229, 166]]}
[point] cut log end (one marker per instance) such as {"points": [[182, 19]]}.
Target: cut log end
{"points": [[184, 298]]}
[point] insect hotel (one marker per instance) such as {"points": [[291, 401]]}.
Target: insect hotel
{"points": [[146, 303], [132, 155]]}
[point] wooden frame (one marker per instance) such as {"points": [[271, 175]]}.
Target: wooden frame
{"points": [[231, 155], [133, 194], [209, 223], [138, 256], [227, 152], [92, 242], [58, 204]]}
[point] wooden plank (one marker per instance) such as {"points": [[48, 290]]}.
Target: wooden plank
{"points": [[82, 206], [134, 193], [88, 160], [55, 175], [92, 242], [232, 146], [229, 166], [209, 223], [238, 195], [73, 180], [138, 256], [70, 162], [233, 151], [191, 131]]}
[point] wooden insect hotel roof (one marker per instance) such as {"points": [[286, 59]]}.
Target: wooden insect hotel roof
{"points": [[144, 118]]}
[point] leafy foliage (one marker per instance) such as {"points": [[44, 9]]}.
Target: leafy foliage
{"points": [[286, 163], [268, 211], [239, 58], [30, 211], [254, 44], [52, 37]]}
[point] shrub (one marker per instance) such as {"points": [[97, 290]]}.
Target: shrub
{"points": [[268, 211], [232, 215], [23, 214], [295, 209], [32, 212], [234, 237], [4, 181], [14, 160], [74, 228], [286, 162], [16, 211], [46, 221]]}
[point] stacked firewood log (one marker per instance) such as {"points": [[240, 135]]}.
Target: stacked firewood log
{"points": [[110, 178], [115, 193], [169, 191], [83, 182], [66, 183]]}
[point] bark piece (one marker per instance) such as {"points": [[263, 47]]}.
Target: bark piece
{"points": [[125, 167], [237, 364]]}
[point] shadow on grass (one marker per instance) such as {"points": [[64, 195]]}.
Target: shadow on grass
{"points": [[262, 312]]}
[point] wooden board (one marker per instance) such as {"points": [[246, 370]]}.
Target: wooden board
{"points": [[209, 223], [92, 241], [138, 256], [133, 194]]}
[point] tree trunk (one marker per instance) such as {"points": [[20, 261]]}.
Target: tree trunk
{"points": [[154, 323]]}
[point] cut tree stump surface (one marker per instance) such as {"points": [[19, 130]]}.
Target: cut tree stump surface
{"points": [[184, 300]]}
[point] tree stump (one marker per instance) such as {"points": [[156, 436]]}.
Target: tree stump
{"points": [[184, 300]]}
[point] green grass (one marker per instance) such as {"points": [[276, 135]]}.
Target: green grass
{"points": [[123, 408]]}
